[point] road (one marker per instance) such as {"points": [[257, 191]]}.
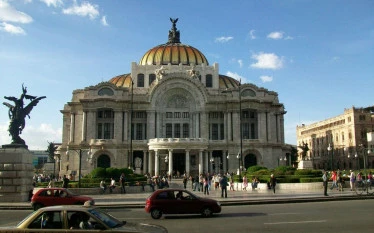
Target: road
{"points": [[322, 217]]}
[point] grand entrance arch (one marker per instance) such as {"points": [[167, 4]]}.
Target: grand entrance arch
{"points": [[103, 161], [250, 160]]}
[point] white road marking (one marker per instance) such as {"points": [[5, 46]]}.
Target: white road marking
{"points": [[300, 222]]}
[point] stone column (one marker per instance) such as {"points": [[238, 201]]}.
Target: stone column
{"points": [[170, 162], [224, 162], [206, 161], [118, 125], [187, 162], [150, 163], [200, 162], [145, 163], [72, 127], [157, 165], [84, 126], [210, 163]]}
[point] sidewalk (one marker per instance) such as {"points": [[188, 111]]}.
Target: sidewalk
{"points": [[137, 200]]}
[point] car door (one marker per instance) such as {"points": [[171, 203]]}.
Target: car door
{"points": [[189, 204]]}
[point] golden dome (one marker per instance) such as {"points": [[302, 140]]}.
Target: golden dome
{"points": [[173, 52], [124, 80]]}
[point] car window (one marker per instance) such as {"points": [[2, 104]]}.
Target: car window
{"points": [[166, 195], [46, 193], [80, 220], [108, 219], [47, 220], [63, 193]]}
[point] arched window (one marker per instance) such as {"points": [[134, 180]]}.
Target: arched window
{"points": [[140, 80], [152, 77], [103, 161]]}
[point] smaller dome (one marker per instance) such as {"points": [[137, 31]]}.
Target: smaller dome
{"points": [[123, 80], [227, 82]]}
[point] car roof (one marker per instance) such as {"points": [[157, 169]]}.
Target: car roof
{"points": [[67, 207]]}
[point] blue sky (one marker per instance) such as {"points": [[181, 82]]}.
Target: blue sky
{"points": [[316, 54]]}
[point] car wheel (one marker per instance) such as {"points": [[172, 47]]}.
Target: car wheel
{"points": [[37, 206], [207, 212], [156, 213]]}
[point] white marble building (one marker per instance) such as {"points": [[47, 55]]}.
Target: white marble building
{"points": [[185, 118]]}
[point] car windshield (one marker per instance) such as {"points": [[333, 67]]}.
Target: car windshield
{"points": [[28, 216], [108, 219]]}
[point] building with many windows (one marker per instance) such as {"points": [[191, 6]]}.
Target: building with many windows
{"points": [[341, 142], [173, 113]]}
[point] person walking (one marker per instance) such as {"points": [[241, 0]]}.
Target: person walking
{"points": [[352, 179], [245, 182], [206, 185], [185, 181], [112, 185], [325, 181], [65, 182], [273, 182], [122, 180], [334, 180], [223, 183]]}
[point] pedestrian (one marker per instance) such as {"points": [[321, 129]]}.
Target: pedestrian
{"points": [[223, 183], [216, 181], [206, 185], [272, 182], [201, 183], [325, 183], [112, 185], [339, 180], [122, 180], [102, 186], [352, 179], [334, 180], [185, 181], [65, 182], [245, 182], [254, 183]]}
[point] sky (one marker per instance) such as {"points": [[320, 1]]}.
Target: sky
{"points": [[316, 54]]}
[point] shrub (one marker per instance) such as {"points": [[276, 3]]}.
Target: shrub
{"points": [[255, 169]]}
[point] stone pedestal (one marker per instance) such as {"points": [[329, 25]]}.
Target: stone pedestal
{"points": [[305, 164], [138, 171], [16, 172]]}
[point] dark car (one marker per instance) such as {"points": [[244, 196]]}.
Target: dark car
{"points": [[56, 196], [179, 201]]}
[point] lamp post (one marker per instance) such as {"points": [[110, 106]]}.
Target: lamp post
{"points": [[131, 134], [331, 151], [79, 152], [357, 161], [240, 126]]}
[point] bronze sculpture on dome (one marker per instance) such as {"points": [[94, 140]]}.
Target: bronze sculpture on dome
{"points": [[17, 114]]}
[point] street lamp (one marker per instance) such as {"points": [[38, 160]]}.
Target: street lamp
{"points": [[357, 161], [79, 152], [240, 126], [331, 151]]}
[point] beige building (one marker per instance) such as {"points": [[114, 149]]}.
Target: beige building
{"points": [[173, 113], [341, 142]]}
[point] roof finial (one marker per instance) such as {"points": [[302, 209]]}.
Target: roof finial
{"points": [[174, 36]]}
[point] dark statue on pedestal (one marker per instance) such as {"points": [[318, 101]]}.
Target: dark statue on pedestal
{"points": [[304, 149], [17, 114]]}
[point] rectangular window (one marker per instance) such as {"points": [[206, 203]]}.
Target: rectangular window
{"points": [[253, 132], [169, 131], [100, 131], [245, 114], [214, 131], [186, 131], [186, 115], [209, 80], [177, 115], [107, 130], [139, 131], [177, 130], [245, 130], [169, 115], [222, 132]]}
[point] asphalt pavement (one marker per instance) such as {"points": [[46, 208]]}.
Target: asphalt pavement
{"points": [[238, 197]]}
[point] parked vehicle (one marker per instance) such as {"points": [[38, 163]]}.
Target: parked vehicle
{"points": [[179, 201], [56, 196], [85, 218]]}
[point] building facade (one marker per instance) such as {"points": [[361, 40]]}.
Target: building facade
{"points": [[341, 142], [173, 113]]}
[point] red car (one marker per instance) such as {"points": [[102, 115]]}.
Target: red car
{"points": [[179, 201], [56, 196]]}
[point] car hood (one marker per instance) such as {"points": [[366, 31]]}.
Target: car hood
{"points": [[141, 227]]}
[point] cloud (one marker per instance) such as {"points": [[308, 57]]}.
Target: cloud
{"points": [[275, 35], [266, 79], [36, 137], [240, 62], [224, 39], [6, 27], [267, 61], [236, 76], [252, 34], [103, 21], [55, 3], [9, 14], [85, 9]]}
